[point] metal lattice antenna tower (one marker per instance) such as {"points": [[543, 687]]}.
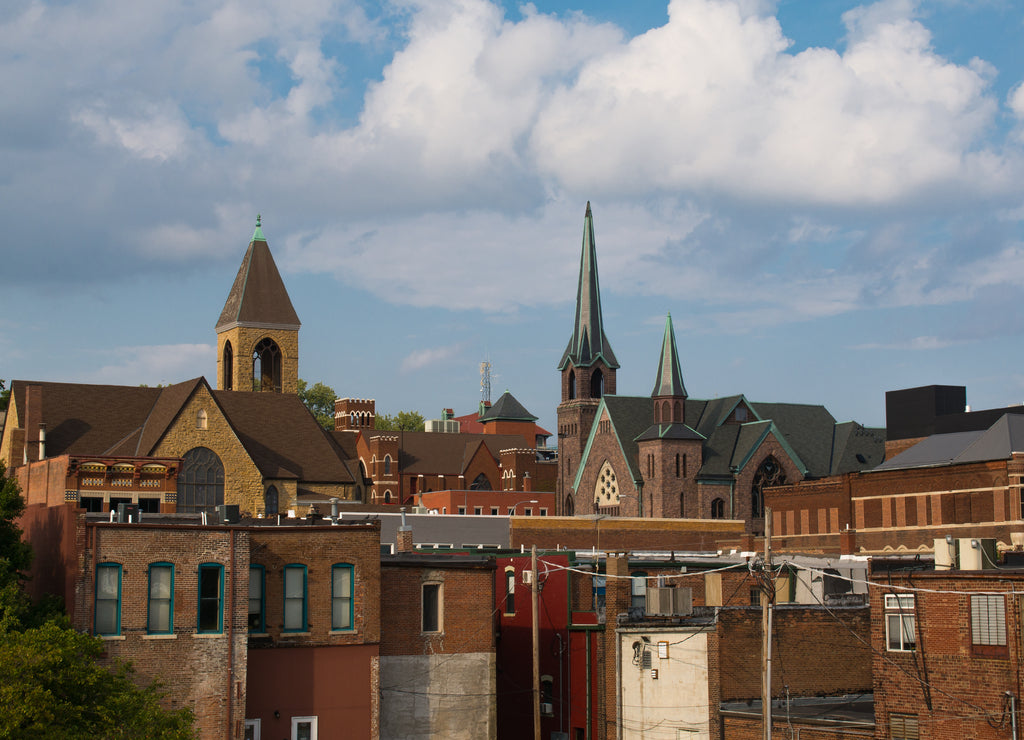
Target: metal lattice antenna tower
{"points": [[485, 382]]}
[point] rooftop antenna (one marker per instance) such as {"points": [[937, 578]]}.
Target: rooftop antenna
{"points": [[485, 382]]}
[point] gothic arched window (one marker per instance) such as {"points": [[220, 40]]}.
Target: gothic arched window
{"points": [[200, 481], [266, 366], [570, 506], [270, 501], [597, 384], [387, 465], [480, 483], [572, 384], [718, 509], [769, 473], [228, 367]]}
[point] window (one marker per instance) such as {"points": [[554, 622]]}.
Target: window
{"points": [[341, 597], [638, 592], [294, 598], [903, 727], [718, 509], [160, 610], [598, 585], [252, 729], [528, 511], [271, 501], [770, 473], [510, 590], [200, 482], [900, 623], [543, 512], [303, 728], [494, 510], [229, 367], [202, 420], [478, 510], [387, 465], [211, 596], [257, 599], [988, 624], [266, 366], [432, 607], [462, 509], [108, 599]]}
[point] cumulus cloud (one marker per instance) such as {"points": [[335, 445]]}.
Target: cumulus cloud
{"points": [[422, 358], [152, 365]]}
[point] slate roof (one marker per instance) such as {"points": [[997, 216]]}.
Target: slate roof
{"points": [[278, 432], [507, 408], [998, 442], [258, 296], [588, 342], [818, 444], [670, 376]]}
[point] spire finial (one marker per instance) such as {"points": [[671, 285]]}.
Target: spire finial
{"points": [[257, 220]]}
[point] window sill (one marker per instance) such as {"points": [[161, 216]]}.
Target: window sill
{"points": [[295, 634], [112, 638], [344, 631], [160, 637], [207, 635], [259, 634]]}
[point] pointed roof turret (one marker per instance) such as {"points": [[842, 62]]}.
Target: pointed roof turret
{"points": [[258, 297], [670, 377], [507, 408], [588, 342]]}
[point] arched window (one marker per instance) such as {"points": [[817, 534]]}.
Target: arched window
{"points": [[665, 417], [480, 483], [270, 501], [570, 506], [228, 367], [769, 473], [387, 465], [200, 481], [597, 384], [606, 491], [677, 412], [387, 497], [682, 503], [201, 419], [677, 465], [572, 384], [266, 366], [657, 413], [718, 509]]}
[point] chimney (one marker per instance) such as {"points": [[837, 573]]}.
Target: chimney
{"points": [[33, 420], [848, 542], [527, 482], [404, 540]]}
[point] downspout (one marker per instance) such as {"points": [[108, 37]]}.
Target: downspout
{"points": [[231, 633]]}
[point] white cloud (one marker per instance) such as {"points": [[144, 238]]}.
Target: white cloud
{"points": [[157, 132], [914, 344], [152, 365], [422, 358]]}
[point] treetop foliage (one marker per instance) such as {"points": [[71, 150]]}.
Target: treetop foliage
{"points": [[403, 421], [319, 399]]}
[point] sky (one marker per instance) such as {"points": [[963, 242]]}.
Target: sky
{"points": [[827, 196]]}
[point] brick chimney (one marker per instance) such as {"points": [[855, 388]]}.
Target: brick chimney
{"points": [[404, 539], [33, 421], [848, 542]]}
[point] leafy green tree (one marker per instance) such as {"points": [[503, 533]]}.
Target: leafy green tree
{"points": [[52, 684], [319, 399], [403, 421], [5, 396]]}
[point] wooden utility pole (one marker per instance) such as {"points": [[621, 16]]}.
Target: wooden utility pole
{"points": [[536, 643], [767, 599]]}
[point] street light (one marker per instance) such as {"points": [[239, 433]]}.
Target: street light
{"points": [[512, 509]]}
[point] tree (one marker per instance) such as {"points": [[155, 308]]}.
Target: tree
{"points": [[403, 421], [5, 396], [319, 399], [52, 684]]}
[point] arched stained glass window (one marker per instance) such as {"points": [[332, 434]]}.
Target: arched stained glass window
{"points": [[200, 482]]}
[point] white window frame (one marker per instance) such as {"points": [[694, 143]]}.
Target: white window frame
{"points": [[313, 727], [900, 615], [988, 620], [254, 724]]}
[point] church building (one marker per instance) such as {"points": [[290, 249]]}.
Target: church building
{"points": [[669, 455]]}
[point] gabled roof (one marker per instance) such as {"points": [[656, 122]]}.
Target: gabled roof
{"points": [[669, 381], [668, 431], [998, 442], [507, 408], [588, 342], [855, 447], [258, 296], [629, 416], [435, 453], [279, 434]]}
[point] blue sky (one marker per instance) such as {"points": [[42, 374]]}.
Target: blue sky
{"points": [[827, 196]]}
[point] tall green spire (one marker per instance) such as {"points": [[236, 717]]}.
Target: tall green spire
{"points": [[670, 376], [588, 342]]}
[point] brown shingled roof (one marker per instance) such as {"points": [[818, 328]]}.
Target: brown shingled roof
{"points": [[446, 454], [258, 295]]}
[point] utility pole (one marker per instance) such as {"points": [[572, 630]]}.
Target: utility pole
{"points": [[768, 599], [536, 643]]}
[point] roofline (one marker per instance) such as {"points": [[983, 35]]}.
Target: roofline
{"points": [[255, 325], [780, 438]]}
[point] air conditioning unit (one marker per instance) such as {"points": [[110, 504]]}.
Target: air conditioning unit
{"points": [[228, 513], [669, 602], [127, 513], [977, 553]]}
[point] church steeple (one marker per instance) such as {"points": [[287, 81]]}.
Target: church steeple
{"points": [[588, 342], [258, 330], [670, 377]]}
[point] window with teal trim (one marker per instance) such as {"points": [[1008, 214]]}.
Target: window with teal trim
{"points": [[211, 598], [108, 599], [295, 598], [160, 608], [341, 596], [257, 599]]}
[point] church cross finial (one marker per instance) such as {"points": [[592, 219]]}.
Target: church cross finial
{"points": [[257, 220]]}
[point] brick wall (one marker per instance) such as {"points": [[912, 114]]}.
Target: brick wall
{"points": [[576, 533]]}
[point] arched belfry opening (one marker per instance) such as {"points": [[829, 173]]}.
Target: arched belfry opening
{"points": [[597, 383], [227, 368], [266, 366]]}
